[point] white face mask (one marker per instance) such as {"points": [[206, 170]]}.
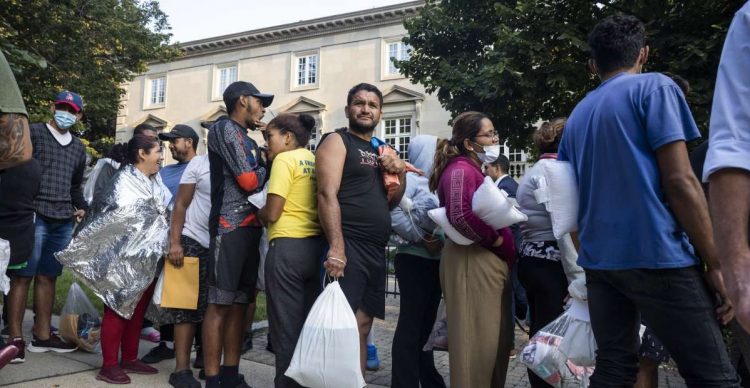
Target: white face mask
{"points": [[490, 153]]}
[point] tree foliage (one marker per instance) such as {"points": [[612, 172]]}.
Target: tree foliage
{"points": [[88, 46], [521, 61]]}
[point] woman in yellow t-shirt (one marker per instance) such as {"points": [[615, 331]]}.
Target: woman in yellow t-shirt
{"points": [[295, 245]]}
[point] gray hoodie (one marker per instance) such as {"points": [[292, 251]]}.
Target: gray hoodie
{"points": [[412, 229]]}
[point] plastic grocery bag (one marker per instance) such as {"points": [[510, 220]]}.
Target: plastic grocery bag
{"points": [[578, 342], [438, 339], [4, 261], [544, 357], [327, 351], [80, 323]]}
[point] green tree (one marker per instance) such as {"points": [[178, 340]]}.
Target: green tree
{"points": [[525, 60], [89, 46]]}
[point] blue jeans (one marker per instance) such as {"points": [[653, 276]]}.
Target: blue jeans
{"points": [[50, 236], [679, 308]]}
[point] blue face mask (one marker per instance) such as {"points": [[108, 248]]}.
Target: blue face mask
{"points": [[64, 119]]}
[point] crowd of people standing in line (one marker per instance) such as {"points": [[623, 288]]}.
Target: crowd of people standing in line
{"points": [[645, 241]]}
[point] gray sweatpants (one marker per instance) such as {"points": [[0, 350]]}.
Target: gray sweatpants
{"points": [[293, 282]]}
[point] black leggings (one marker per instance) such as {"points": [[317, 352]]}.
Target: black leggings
{"points": [[546, 288]]}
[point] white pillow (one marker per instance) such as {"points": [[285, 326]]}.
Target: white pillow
{"points": [[494, 207], [490, 204], [441, 218], [562, 196]]}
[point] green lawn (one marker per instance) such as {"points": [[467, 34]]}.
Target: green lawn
{"points": [[67, 278]]}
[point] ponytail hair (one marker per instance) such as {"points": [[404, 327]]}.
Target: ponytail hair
{"points": [[137, 143], [300, 125], [444, 153], [465, 126]]}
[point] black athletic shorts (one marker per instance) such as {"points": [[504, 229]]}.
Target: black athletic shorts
{"points": [[363, 282], [233, 266]]}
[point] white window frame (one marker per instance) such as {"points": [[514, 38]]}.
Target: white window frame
{"points": [[216, 93], [516, 155], [518, 160], [385, 53], [148, 92], [398, 136], [295, 69], [317, 132]]}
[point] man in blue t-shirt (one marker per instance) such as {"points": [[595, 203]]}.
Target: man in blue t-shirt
{"points": [[639, 204]]}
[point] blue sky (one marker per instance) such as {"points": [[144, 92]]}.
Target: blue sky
{"points": [[199, 19]]}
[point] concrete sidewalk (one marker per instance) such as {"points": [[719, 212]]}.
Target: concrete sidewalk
{"points": [[78, 369], [383, 338]]}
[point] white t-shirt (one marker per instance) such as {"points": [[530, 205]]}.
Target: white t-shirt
{"points": [[198, 173], [62, 138]]}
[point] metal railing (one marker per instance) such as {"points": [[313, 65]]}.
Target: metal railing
{"points": [[391, 283]]}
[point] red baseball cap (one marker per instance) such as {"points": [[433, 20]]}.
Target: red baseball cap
{"points": [[70, 98]]}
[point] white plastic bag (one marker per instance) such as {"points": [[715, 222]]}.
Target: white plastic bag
{"points": [[156, 298], [438, 339], [327, 352], [4, 261], [259, 199], [578, 342], [543, 355], [80, 323]]}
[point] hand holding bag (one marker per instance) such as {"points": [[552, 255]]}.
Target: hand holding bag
{"points": [[327, 351]]}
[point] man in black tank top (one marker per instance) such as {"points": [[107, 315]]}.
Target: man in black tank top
{"points": [[354, 209]]}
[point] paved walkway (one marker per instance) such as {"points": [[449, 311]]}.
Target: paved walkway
{"points": [[384, 330], [78, 369]]}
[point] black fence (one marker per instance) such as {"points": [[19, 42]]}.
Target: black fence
{"points": [[391, 283]]}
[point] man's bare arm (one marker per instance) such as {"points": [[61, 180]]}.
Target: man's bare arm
{"points": [[185, 194], [729, 194], [730, 208], [685, 197], [329, 167], [15, 140]]}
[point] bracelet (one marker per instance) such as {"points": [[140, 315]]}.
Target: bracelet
{"points": [[337, 259]]}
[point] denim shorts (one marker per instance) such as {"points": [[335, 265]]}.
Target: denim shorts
{"points": [[50, 236]]}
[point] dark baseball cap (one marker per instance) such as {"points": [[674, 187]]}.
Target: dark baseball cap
{"points": [[180, 131], [242, 88], [70, 98]]}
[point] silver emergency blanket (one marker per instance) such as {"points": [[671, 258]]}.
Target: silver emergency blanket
{"points": [[117, 247]]}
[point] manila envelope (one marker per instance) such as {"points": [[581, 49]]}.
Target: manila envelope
{"points": [[181, 285]]}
